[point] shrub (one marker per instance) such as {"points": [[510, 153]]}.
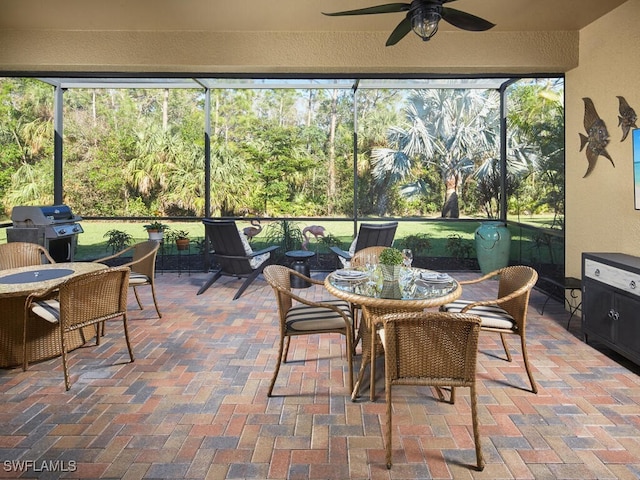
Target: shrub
{"points": [[173, 235], [418, 242], [286, 234], [117, 240], [458, 247]]}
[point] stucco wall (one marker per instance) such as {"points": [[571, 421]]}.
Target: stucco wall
{"points": [[203, 53], [600, 214]]}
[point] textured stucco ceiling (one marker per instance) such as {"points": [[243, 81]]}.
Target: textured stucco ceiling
{"points": [[281, 15]]}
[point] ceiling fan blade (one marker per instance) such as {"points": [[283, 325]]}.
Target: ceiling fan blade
{"points": [[400, 31], [386, 8], [465, 21]]}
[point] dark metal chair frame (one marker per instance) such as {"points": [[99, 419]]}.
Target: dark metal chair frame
{"points": [[371, 235], [230, 255]]}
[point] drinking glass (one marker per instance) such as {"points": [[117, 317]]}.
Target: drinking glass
{"points": [[370, 266], [407, 257], [367, 262]]}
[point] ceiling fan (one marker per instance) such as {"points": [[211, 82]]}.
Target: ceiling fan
{"points": [[422, 17]]}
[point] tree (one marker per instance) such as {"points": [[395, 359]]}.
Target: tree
{"points": [[335, 114], [376, 109], [331, 165], [278, 154], [26, 140], [450, 129], [536, 116]]}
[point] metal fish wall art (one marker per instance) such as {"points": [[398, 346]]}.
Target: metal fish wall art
{"points": [[597, 137], [627, 118]]}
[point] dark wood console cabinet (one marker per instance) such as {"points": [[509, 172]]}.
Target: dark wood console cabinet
{"points": [[611, 302]]}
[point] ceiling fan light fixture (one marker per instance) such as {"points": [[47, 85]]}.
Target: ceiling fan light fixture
{"points": [[424, 22]]}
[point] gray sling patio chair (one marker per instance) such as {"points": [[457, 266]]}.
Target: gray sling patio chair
{"points": [[369, 235]]}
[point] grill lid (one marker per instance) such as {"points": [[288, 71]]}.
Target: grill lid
{"points": [[27, 216]]}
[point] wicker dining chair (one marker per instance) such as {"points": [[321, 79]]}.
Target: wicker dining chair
{"points": [[368, 255], [143, 267], [22, 254], [82, 301], [306, 317], [506, 314], [435, 349]]}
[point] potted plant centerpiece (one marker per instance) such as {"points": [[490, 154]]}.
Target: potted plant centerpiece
{"points": [[180, 237], [156, 230], [390, 261]]}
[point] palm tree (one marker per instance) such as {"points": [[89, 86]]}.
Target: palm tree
{"points": [[30, 185], [451, 129], [536, 114], [232, 180], [156, 153]]}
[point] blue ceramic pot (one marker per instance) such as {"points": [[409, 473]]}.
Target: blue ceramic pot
{"points": [[493, 243]]}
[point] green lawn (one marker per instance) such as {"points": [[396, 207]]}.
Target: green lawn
{"points": [[526, 243], [93, 242]]}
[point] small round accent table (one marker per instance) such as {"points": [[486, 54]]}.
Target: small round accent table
{"points": [[299, 264]]}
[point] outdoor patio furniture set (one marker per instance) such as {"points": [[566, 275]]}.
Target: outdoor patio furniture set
{"points": [[435, 348], [420, 348], [52, 308]]}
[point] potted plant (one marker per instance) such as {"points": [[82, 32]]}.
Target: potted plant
{"points": [[180, 237], [156, 230], [390, 260]]}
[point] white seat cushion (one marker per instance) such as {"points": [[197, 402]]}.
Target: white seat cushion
{"points": [[137, 279], [256, 261], [492, 315], [306, 317], [352, 250], [48, 310]]}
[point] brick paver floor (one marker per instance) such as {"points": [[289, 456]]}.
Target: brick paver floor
{"points": [[194, 405]]}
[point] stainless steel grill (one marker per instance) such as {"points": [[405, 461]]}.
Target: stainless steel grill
{"points": [[55, 227]]}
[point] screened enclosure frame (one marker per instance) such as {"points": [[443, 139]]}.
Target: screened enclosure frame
{"points": [[206, 84]]}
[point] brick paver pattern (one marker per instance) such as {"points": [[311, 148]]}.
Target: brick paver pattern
{"points": [[194, 405]]}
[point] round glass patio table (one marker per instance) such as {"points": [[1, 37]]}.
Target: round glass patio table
{"points": [[16, 284], [415, 290]]}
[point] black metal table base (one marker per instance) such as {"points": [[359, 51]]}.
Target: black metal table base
{"points": [[299, 263]]}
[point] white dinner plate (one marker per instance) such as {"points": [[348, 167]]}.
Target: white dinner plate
{"points": [[350, 275], [436, 278]]}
